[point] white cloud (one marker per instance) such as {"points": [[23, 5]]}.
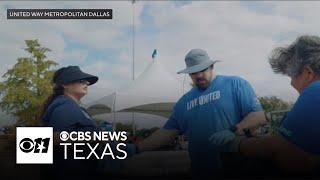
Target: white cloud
{"points": [[100, 34], [229, 31], [97, 67]]}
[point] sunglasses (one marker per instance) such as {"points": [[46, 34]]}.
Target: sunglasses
{"points": [[83, 82]]}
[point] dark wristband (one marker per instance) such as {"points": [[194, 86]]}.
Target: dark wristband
{"points": [[247, 133]]}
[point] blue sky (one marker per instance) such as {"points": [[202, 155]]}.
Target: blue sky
{"points": [[240, 33], [259, 6], [101, 46]]}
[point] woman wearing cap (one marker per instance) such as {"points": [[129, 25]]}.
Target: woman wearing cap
{"points": [[62, 110]]}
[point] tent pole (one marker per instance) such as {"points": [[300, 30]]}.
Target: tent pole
{"points": [[114, 112], [114, 121]]}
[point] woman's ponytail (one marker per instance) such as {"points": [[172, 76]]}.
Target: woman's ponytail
{"points": [[56, 91]]}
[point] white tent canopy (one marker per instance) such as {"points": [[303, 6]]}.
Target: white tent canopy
{"points": [[153, 92]]}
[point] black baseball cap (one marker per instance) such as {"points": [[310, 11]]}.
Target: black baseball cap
{"points": [[73, 73]]}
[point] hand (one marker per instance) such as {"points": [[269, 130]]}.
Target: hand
{"points": [[221, 138]]}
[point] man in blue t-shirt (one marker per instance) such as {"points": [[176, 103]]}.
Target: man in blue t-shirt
{"points": [[224, 104], [296, 146]]}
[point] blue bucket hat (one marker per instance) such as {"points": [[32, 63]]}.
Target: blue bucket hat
{"points": [[196, 61], [73, 73]]}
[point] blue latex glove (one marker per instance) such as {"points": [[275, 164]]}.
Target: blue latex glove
{"points": [[106, 126], [222, 138]]}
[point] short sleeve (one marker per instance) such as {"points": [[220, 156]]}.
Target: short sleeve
{"points": [[302, 124], [173, 121], [247, 100]]}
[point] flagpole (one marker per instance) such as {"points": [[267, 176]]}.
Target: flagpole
{"points": [[133, 43], [133, 37]]}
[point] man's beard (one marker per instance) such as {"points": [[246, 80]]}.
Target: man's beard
{"points": [[202, 86]]}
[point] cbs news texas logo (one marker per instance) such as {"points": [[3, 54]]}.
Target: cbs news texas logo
{"points": [[34, 145]]}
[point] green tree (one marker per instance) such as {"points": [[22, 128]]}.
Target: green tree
{"points": [[275, 109], [27, 84], [273, 103]]}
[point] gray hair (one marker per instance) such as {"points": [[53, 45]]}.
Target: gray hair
{"points": [[291, 60]]}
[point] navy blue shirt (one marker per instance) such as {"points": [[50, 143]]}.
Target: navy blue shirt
{"points": [[302, 124], [64, 114], [200, 113]]}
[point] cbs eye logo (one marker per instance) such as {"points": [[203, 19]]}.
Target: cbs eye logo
{"points": [[38, 145], [34, 145]]}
